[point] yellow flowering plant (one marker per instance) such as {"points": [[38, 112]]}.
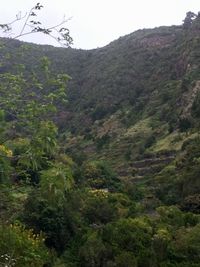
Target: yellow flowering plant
{"points": [[22, 246]]}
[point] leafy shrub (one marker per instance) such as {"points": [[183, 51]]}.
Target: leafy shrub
{"points": [[98, 174], [196, 107], [185, 124], [21, 247], [54, 219]]}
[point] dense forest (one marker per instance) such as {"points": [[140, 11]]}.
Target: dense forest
{"points": [[100, 152]]}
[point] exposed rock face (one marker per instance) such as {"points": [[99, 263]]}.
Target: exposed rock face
{"points": [[188, 99], [157, 41]]}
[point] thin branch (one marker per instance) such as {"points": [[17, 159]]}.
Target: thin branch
{"points": [[20, 35], [17, 19], [60, 24], [56, 39], [63, 33], [26, 21]]}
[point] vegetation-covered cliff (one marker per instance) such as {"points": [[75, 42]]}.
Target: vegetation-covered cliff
{"points": [[100, 167]]}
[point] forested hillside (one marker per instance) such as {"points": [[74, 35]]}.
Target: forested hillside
{"points": [[100, 152]]}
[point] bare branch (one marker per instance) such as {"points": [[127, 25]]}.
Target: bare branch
{"points": [[18, 17], [26, 21], [61, 36]]}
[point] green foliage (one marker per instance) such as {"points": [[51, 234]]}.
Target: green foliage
{"points": [[98, 174], [185, 124], [41, 148], [101, 142], [195, 106], [125, 259], [21, 247], [191, 203], [88, 214], [27, 106], [171, 215], [185, 248], [150, 141], [128, 234], [56, 182], [27, 100], [187, 22], [99, 113], [98, 209], [53, 220], [5, 165], [181, 180], [189, 166], [93, 252], [161, 241], [129, 237]]}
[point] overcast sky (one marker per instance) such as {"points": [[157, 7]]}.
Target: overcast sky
{"points": [[95, 23]]}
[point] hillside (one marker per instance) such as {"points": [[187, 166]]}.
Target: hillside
{"points": [[126, 149], [134, 98]]}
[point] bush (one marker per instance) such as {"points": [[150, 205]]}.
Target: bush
{"points": [[185, 124], [53, 219], [21, 247], [98, 174]]}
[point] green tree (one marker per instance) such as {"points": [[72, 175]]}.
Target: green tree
{"points": [[186, 246], [98, 209], [99, 175], [55, 220], [56, 182], [125, 259], [131, 236], [93, 253], [28, 103], [190, 16]]}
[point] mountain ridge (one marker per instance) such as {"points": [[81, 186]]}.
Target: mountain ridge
{"points": [[145, 75], [102, 169]]}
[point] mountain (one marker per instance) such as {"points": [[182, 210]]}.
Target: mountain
{"points": [[134, 98], [110, 176]]}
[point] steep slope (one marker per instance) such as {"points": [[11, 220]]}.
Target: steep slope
{"points": [[131, 99], [117, 182]]}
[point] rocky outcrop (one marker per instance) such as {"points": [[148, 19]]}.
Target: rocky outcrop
{"points": [[188, 100]]}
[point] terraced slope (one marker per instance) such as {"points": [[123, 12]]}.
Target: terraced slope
{"points": [[137, 95]]}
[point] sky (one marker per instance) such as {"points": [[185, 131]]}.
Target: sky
{"points": [[95, 23]]}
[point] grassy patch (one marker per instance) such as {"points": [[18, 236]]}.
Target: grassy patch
{"points": [[141, 127], [173, 141]]}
